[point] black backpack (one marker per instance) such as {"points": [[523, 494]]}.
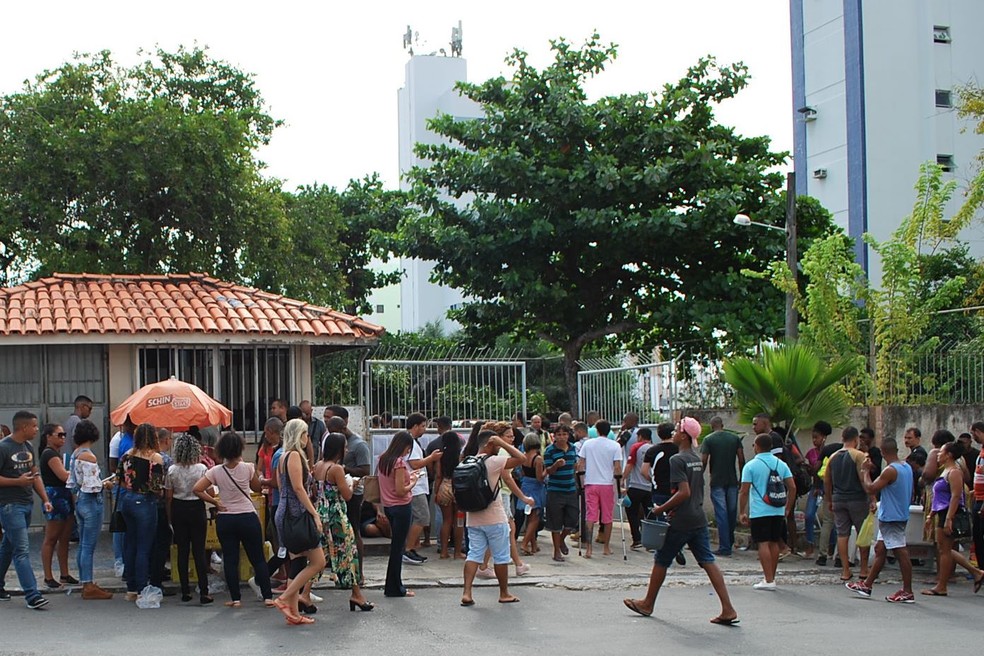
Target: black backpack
{"points": [[775, 490], [470, 484]]}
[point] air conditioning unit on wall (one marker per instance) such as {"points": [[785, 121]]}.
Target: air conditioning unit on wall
{"points": [[819, 174]]}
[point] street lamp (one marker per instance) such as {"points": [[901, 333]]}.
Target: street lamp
{"points": [[792, 321]]}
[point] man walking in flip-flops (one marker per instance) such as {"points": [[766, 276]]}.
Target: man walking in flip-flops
{"points": [[688, 526]]}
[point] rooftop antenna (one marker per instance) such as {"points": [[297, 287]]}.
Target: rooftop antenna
{"points": [[408, 40], [456, 40]]}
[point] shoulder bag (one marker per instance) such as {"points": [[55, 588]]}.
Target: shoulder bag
{"points": [[300, 531]]}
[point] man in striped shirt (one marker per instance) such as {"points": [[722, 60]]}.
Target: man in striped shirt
{"points": [[562, 508]]}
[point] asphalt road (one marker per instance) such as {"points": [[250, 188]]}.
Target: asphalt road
{"points": [[797, 619]]}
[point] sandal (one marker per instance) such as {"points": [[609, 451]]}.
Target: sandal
{"points": [[300, 619], [631, 605], [977, 584]]}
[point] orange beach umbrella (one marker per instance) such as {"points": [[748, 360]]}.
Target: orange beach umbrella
{"points": [[172, 404]]}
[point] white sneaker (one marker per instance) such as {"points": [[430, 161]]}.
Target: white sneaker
{"points": [[255, 588], [521, 570], [216, 558], [315, 599], [118, 568], [486, 573], [765, 585]]}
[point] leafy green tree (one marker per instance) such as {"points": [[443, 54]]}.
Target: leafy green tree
{"points": [[143, 169], [792, 384], [579, 222], [971, 106], [330, 241]]}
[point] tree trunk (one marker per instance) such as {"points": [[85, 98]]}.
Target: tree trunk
{"points": [[572, 352]]}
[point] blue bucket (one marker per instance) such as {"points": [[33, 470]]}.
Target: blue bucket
{"points": [[654, 533]]}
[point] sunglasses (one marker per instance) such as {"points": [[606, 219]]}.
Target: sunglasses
{"points": [[60, 434]]}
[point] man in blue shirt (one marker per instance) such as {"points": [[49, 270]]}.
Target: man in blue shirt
{"points": [[769, 510], [895, 484]]}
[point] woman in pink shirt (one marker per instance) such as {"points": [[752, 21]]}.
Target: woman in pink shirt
{"points": [[395, 485], [237, 522]]}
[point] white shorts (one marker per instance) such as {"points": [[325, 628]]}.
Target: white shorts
{"points": [[892, 534]]}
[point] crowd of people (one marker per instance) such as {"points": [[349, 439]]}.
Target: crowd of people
{"points": [[309, 493]]}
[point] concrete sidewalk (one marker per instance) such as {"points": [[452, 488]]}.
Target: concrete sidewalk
{"points": [[600, 572]]}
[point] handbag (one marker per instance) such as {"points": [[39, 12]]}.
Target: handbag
{"points": [[300, 532], [370, 489], [961, 527], [117, 524]]}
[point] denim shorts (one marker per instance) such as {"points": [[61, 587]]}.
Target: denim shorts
{"points": [[697, 539], [61, 503], [494, 537]]}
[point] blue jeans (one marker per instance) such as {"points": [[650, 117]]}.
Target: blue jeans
{"points": [[725, 500], [89, 517], [812, 506], [140, 513], [15, 518]]}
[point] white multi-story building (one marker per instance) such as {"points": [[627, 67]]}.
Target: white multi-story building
{"points": [[874, 88], [428, 91]]}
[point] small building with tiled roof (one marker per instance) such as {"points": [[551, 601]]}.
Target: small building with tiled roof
{"points": [[105, 336]]}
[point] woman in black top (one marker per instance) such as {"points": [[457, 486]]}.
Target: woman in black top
{"points": [[58, 527]]}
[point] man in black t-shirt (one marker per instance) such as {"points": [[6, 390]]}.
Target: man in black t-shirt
{"points": [[656, 463], [19, 468]]}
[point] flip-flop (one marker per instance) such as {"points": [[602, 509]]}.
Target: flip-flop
{"points": [[631, 605], [286, 610], [563, 549], [933, 593], [511, 600], [300, 619], [725, 621], [978, 583], [560, 559], [848, 578], [470, 602]]}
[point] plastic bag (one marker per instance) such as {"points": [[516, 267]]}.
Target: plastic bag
{"points": [[216, 584], [867, 533], [150, 597]]}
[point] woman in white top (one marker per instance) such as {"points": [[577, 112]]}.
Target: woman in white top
{"points": [[237, 522], [186, 513], [86, 480]]}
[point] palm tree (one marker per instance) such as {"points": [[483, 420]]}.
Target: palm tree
{"points": [[792, 384]]}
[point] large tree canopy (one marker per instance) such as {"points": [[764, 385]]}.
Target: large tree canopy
{"points": [[143, 169], [335, 237], [575, 220]]}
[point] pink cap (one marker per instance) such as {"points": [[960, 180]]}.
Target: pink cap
{"points": [[691, 427]]}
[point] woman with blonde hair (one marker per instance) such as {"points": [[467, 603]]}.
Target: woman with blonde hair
{"points": [[294, 472]]}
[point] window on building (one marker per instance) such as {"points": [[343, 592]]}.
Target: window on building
{"points": [[380, 309], [944, 98], [941, 34], [946, 162], [244, 379]]}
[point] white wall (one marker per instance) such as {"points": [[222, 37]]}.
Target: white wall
{"points": [[428, 91], [826, 137], [903, 128]]}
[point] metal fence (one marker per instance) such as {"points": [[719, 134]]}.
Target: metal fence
{"points": [[460, 389], [648, 389]]}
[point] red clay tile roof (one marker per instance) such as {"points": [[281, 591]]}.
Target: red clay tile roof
{"points": [[86, 304]]}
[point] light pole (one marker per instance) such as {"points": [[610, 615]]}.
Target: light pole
{"points": [[792, 321]]}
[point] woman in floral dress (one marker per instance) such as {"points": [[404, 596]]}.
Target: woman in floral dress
{"points": [[338, 538]]}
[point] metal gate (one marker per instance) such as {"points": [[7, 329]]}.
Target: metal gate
{"points": [[646, 389], [459, 389]]}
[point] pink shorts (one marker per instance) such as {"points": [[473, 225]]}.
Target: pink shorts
{"points": [[599, 499]]}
